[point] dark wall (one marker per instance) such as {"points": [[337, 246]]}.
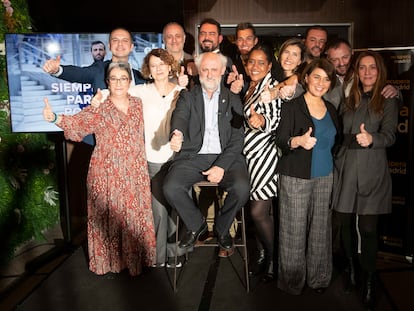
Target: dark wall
{"points": [[376, 23], [97, 16]]}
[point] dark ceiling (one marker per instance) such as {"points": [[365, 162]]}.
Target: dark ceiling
{"points": [[98, 16]]}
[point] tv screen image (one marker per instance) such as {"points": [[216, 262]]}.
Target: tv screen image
{"points": [[28, 84]]}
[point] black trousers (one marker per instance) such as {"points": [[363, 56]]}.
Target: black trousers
{"points": [[185, 172]]}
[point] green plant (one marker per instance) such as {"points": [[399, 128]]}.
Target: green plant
{"points": [[29, 202]]}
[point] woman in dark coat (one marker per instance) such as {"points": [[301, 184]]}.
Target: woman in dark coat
{"points": [[363, 188]]}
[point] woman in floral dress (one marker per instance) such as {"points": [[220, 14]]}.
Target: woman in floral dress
{"points": [[120, 222]]}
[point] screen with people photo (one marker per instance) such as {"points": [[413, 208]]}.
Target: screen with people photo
{"points": [[29, 84]]}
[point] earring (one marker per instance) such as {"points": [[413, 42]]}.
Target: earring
{"points": [[150, 76]]}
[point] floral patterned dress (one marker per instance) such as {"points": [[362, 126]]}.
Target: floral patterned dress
{"points": [[120, 223]]}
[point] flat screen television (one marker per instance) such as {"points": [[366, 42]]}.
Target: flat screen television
{"points": [[28, 84]]}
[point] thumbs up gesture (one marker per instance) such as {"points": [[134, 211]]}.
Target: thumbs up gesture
{"points": [[266, 95], [287, 91], [176, 140], [235, 80], [48, 113], [256, 120], [51, 66], [97, 99], [307, 141], [232, 75], [364, 138], [182, 78]]}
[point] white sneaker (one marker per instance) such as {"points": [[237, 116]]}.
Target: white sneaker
{"points": [[171, 263], [158, 265]]}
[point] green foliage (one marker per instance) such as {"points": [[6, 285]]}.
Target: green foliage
{"points": [[17, 21], [3, 82], [29, 202]]}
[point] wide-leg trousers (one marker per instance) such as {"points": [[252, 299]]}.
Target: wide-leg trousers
{"points": [[305, 233]]}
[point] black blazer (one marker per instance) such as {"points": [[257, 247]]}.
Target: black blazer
{"points": [[188, 117], [295, 121]]}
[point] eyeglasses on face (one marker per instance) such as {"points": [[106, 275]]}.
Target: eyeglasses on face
{"points": [[118, 80]]}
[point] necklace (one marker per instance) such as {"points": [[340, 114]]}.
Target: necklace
{"points": [[164, 90]]}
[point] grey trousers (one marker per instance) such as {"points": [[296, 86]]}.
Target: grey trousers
{"points": [[305, 233], [164, 216]]}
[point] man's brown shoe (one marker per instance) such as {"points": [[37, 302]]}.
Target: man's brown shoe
{"points": [[223, 253]]}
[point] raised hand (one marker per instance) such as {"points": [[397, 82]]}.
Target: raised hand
{"points": [[287, 91], [237, 85], [389, 91], [97, 99], [364, 138], [266, 95], [51, 66], [48, 113], [232, 75], [182, 78], [176, 141], [256, 120]]}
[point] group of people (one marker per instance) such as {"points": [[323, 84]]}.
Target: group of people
{"points": [[296, 139]]}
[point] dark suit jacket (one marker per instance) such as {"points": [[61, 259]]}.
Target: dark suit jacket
{"points": [[188, 117], [295, 121], [94, 74]]}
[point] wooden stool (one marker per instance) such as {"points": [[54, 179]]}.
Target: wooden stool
{"points": [[238, 224]]}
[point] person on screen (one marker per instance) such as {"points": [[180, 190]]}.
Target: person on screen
{"points": [[98, 50], [120, 222], [120, 44]]}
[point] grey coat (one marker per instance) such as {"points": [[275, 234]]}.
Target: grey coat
{"points": [[362, 180]]}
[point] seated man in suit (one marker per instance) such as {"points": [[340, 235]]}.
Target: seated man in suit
{"points": [[207, 136]]}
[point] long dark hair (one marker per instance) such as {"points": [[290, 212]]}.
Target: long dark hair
{"points": [[376, 103]]}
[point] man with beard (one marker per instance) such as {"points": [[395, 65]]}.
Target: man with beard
{"points": [[210, 38], [339, 53], [315, 41], [207, 137]]}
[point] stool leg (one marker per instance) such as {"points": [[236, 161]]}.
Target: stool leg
{"points": [[176, 253], [245, 257]]}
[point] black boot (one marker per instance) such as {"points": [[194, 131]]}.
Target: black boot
{"points": [[260, 264], [269, 273], [350, 283], [369, 294]]}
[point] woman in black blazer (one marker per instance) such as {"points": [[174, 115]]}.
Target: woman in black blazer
{"points": [[306, 136]]}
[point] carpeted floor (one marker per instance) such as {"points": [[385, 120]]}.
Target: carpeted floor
{"points": [[206, 283]]}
